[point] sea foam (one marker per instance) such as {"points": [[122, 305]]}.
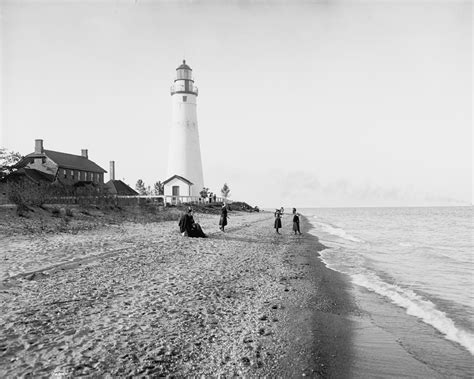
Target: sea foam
{"points": [[416, 306], [337, 231]]}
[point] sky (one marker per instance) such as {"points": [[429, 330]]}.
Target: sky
{"points": [[301, 103]]}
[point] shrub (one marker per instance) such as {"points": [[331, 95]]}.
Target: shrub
{"points": [[25, 194]]}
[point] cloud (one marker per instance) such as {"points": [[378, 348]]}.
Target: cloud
{"points": [[307, 189]]}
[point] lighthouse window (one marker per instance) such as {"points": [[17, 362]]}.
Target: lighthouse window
{"points": [[185, 98]]}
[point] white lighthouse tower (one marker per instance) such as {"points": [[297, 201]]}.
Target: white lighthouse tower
{"points": [[184, 159]]}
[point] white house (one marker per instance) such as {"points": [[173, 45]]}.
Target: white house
{"points": [[178, 189]]}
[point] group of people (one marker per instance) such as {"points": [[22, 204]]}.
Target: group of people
{"points": [[296, 220], [190, 228]]}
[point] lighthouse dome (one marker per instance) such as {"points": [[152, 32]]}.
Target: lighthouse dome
{"points": [[184, 66]]}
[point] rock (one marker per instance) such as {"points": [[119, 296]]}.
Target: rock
{"points": [[36, 276]]}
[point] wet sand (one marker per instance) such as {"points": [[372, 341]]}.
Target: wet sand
{"points": [[140, 299]]}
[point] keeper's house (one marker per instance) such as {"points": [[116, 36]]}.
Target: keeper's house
{"points": [[177, 186], [178, 189], [68, 169]]}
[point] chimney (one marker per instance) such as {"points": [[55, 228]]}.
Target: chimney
{"points": [[38, 146], [84, 153], [112, 170]]}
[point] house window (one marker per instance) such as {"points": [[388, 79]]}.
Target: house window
{"points": [[185, 98], [65, 173], [175, 190], [72, 174]]}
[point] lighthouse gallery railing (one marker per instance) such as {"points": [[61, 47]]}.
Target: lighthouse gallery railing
{"points": [[177, 88]]}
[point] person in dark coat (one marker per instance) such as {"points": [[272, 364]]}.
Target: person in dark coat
{"points": [[277, 220], [296, 221], [223, 219], [187, 226]]}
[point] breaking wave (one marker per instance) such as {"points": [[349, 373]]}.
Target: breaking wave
{"points": [[337, 231], [416, 306]]}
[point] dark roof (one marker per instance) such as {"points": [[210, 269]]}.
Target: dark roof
{"points": [[38, 176], [34, 175], [70, 161], [120, 188], [23, 162], [184, 66], [177, 177]]}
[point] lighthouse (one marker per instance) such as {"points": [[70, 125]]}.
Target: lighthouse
{"points": [[185, 175]]}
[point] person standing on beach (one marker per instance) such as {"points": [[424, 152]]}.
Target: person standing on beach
{"points": [[296, 222], [223, 219], [277, 220]]}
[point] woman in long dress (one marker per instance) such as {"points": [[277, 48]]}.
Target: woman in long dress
{"points": [[223, 219], [277, 220], [296, 221], [188, 227]]}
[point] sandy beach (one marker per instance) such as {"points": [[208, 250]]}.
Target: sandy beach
{"points": [[139, 299]]}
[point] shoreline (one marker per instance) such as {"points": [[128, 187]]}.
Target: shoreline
{"points": [[388, 339], [323, 307], [245, 302]]}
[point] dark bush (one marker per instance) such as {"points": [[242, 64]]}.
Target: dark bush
{"points": [[24, 193]]}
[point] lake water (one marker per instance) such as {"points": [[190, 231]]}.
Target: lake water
{"points": [[413, 275]]}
